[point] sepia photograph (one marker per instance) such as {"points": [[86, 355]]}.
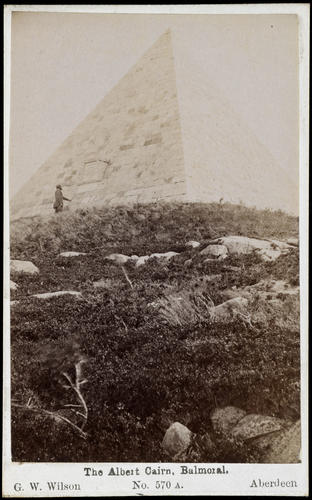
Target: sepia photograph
{"points": [[156, 244]]}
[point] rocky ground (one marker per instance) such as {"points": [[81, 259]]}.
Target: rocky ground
{"points": [[160, 332]]}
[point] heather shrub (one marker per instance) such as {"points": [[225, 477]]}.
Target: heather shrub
{"points": [[148, 354]]}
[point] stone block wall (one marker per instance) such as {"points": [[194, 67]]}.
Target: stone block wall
{"points": [[223, 157]]}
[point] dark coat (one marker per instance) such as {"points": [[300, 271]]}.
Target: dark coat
{"points": [[59, 197], [58, 203]]}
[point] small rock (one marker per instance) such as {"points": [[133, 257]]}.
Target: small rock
{"points": [[188, 262], [140, 217], [71, 254], [166, 255], [227, 310], [293, 242], [213, 277], [118, 258], [141, 260], [224, 419], [23, 266], [280, 244], [13, 302], [176, 439], [102, 283], [270, 254], [13, 286], [215, 251], [50, 295], [252, 426], [192, 244], [134, 257]]}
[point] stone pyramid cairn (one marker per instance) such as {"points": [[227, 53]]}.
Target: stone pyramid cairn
{"points": [[157, 136]]}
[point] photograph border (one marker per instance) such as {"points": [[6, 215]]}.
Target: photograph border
{"points": [[17, 473]]}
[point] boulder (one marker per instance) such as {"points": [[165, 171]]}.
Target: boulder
{"points": [[227, 310], [192, 244], [23, 266], [50, 295], [219, 251], [283, 447], [118, 258], [71, 254], [177, 439], [269, 250], [242, 244], [252, 426], [13, 286], [224, 419]]}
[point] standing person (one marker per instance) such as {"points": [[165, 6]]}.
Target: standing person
{"points": [[59, 197]]}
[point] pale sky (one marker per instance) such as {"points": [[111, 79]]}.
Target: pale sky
{"points": [[63, 64]]}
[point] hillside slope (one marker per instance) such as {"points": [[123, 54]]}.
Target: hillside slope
{"points": [[150, 349]]}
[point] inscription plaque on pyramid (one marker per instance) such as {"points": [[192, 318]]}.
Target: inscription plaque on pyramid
{"points": [[145, 142]]}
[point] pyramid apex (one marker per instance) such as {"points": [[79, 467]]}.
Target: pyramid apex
{"points": [[166, 33]]}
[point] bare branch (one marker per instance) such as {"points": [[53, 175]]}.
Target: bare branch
{"points": [[76, 388], [124, 324], [126, 276], [78, 413], [69, 380], [55, 416]]}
